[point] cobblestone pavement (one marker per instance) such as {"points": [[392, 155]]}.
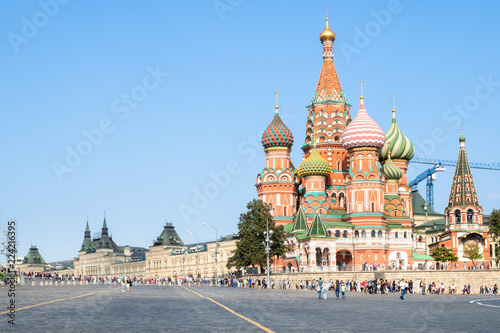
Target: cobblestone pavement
{"points": [[175, 309]]}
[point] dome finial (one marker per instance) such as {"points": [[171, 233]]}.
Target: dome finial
{"points": [[276, 107], [393, 106], [327, 33], [461, 139], [361, 85]]}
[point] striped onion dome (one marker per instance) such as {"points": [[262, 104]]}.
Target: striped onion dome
{"points": [[277, 134], [363, 131], [400, 146], [391, 170], [314, 165]]}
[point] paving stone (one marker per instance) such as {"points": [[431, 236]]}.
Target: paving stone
{"points": [[151, 308]]}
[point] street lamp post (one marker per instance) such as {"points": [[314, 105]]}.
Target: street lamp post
{"points": [[197, 251], [216, 247], [267, 243]]}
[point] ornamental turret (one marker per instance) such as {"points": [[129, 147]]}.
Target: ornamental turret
{"points": [[87, 242], [363, 139], [278, 182]]}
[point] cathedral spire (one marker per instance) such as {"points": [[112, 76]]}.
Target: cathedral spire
{"points": [[328, 88], [463, 191]]}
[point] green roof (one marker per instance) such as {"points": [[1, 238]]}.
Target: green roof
{"points": [[34, 257], [299, 222], [418, 205], [417, 256], [317, 228], [340, 224], [394, 225]]}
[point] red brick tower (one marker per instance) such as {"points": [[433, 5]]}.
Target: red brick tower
{"points": [[464, 215]]}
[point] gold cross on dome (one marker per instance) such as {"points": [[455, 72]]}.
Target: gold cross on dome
{"points": [[326, 11], [393, 95], [361, 83], [276, 93], [462, 129]]}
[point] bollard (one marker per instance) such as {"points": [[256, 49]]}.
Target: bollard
{"points": [[74, 282], [81, 282], [55, 283], [32, 283], [94, 282], [87, 282], [41, 283], [50, 283], [46, 283]]}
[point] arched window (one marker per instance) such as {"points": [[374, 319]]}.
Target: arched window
{"points": [[339, 164], [329, 233], [470, 216], [344, 234], [458, 217], [491, 251], [419, 238], [334, 197], [341, 199], [379, 233], [405, 235], [363, 234], [373, 233], [396, 235], [356, 234], [337, 233]]}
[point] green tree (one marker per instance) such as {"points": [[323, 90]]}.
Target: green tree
{"points": [[494, 231], [443, 254], [250, 250], [473, 252]]}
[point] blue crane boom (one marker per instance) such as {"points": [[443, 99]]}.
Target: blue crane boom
{"points": [[487, 166], [428, 174]]}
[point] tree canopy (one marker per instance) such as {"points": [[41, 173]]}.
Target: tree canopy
{"points": [[473, 252], [250, 250], [442, 254], [494, 231]]}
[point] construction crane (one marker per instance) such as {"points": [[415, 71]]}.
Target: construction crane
{"points": [[430, 174]]}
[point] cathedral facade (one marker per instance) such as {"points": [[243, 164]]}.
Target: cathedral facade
{"points": [[348, 205]]}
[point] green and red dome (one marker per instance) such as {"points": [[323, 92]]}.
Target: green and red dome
{"points": [[277, 134]]}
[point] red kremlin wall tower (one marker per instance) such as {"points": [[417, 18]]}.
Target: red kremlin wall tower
{"points": [[349, 204]]}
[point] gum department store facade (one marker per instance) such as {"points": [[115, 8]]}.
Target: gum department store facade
{"points": [[348, 203]]}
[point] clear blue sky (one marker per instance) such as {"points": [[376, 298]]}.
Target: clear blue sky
{"points": [[216, 66]]}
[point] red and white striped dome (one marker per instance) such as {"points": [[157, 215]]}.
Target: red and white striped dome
{"points": [[363, 131]]}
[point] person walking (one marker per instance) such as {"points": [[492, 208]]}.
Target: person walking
{"points": [[319, 287], [402, 286], [342, 289], [337, 289], [325, 290]]}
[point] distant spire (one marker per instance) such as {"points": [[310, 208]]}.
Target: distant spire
{"points": [[393, 106]]}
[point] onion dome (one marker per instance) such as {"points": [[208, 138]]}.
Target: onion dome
{"points": [[400, 146], [363, 131], [461, 138], [391, 170], [277, 134], [314, 165], [327, 33]]}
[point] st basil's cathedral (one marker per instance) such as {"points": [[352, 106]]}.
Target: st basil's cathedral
{"points": [[348, 205]]}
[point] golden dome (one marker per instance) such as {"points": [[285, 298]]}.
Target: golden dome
{"points": [[327, 33]]}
